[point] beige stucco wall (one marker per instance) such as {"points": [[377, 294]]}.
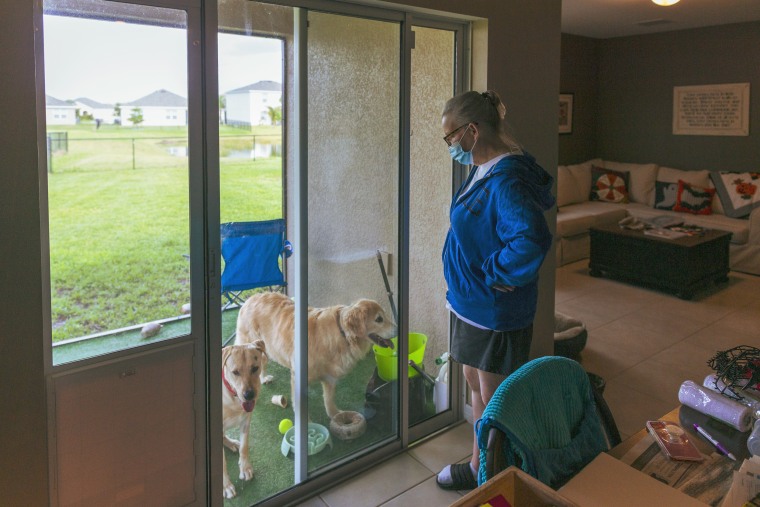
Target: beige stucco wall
{"points": [[430, 188], [353, 103], [354, 168]]}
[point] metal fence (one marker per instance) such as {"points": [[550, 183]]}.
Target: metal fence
{"points": [[65, 154]]}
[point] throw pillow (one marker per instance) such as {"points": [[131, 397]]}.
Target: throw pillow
{"points": [[568, 191], [694, 199], [738, 192], [582, 174], [700, 178], [608, 185], [641, 178], [665, 195]]}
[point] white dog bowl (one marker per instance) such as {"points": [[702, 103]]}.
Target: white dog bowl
{"points": [[318, 437]]}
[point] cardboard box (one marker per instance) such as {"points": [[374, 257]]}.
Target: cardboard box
{"points": [[517, 488], [608, 481]]}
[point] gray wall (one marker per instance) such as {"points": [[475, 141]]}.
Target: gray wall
{"points": [[636, 80], [579, 75], [635, 95], [521, 32], [23, 438]]}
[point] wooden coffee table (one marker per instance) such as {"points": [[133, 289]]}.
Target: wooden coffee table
{"points": [[681, 266]]}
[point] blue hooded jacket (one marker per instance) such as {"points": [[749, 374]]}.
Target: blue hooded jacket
{"points": [[499, 237]]}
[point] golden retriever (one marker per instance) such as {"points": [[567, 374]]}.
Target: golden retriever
{"points": [[339, 336], [241, 384]]}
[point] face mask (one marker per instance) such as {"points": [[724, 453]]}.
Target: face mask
{"points": [[458, 154]]}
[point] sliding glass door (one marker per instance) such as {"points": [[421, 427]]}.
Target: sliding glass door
{"points": [[362, 186]]}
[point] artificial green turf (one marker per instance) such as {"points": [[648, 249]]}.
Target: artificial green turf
{"points": [[273, 472]]}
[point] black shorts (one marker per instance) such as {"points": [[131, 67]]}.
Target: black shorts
{"points": [[499, 352]]}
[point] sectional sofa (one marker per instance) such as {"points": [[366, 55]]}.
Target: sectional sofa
{"points": [[600, 192]]}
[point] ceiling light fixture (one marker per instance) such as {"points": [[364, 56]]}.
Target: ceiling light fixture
{"points": [[665, 3]]}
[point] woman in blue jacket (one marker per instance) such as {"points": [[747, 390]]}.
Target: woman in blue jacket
{"points": [[495, 246]]}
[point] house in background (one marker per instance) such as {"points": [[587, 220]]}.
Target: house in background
{"points": [[250, 104], [98, 110], [60, 112], [161, 108]]}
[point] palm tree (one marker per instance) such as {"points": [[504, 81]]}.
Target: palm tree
{"points": [[275, 114]]}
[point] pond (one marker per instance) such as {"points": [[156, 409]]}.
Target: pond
{"points": [[258, 151]]}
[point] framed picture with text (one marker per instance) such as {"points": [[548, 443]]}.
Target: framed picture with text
{"points": [[565, 113]]}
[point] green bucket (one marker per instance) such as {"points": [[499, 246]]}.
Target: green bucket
{"points": [[387, 358]]}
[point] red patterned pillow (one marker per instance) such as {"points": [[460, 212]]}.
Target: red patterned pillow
{"points": [[608, 185], [694, 199]]}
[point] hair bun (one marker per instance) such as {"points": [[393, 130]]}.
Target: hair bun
{"points": [[494, 99], [502, 110]]}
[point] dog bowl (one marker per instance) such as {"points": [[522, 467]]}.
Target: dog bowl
{"points": [[386, 358], [348, 425], [318, 437]]}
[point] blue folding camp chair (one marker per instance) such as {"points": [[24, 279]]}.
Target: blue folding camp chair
{"points": [[253, 254]]}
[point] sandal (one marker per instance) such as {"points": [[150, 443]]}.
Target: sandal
{"points": [[462, 477]]}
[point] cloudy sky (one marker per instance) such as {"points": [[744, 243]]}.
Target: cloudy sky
{"points": [[118, 62]]}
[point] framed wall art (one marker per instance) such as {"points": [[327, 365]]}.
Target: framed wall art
{"points": [[711, 110], [565, 113]]}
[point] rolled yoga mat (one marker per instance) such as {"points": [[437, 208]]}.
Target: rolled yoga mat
{"points": [[715, 405]]}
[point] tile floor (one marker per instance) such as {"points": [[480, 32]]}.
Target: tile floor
{"points": [[643, 342]]}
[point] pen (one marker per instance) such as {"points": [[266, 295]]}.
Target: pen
{"points": [[714, 442]]}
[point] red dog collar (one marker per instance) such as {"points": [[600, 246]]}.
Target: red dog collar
{"points": [[227, 385]]}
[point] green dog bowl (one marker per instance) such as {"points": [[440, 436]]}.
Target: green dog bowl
{"points": [[318, 437], [386, 358]]}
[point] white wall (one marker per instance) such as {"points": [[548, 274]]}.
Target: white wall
{"points": [[156, 116], [252, 107], [60, 116], [238, 108], [261, 101]]}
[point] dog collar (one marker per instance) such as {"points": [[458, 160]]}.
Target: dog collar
{"points": [[227, 385]]}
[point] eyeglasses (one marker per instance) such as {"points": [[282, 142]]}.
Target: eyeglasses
{"points": [[447, 137]]}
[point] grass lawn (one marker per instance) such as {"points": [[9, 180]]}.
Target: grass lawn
{"points": [[118, 237]]}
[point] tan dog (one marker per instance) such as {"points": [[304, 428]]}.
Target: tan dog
{"points": [[241, 384], [339, 336]]}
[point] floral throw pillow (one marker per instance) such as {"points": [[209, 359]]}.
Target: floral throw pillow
{"points": [[738, 192], [608, 185], [693, 199]]}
